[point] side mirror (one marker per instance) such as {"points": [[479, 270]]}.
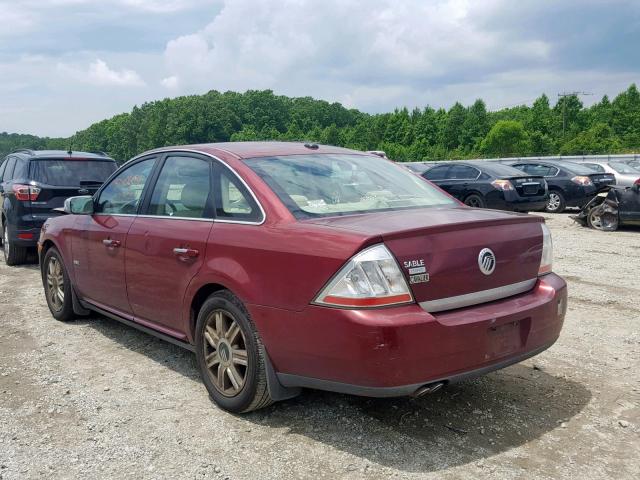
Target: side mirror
{"points": [[79, 205]]}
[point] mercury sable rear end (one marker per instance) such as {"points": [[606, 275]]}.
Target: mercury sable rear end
{"points": [[285, 266]]}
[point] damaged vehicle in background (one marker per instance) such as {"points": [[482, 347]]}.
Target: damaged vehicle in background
{"points": [[611, 208]]}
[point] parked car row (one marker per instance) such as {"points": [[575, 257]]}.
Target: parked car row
{"points": [[285, 266], [487, 183]]}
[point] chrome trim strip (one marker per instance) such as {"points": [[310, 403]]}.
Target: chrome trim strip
{"points": [[475, 298], [187, 150]]}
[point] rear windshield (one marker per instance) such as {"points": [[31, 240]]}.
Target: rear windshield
{"points": [[577, 168], [623, 168], [328, 185], [71, 172]]}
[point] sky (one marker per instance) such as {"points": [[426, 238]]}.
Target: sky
{"points": [[65, 64]]}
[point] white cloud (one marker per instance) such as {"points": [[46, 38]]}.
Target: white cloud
{"points": [[170, 82], [98, 73]]}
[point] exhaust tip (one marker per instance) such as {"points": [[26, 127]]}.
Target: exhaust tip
{"points": [[427, 389]]}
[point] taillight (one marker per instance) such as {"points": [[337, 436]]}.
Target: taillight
{"points": [[582, 180], [504, 185], [26, 193], [546, 263], [637, 182], [372, 278]]}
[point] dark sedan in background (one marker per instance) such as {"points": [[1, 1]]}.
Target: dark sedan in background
{"points": [[570, 184], [489, 185]]}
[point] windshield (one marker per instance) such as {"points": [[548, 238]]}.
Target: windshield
{"points": [[623, 168], [327, 185], [69, 173]]}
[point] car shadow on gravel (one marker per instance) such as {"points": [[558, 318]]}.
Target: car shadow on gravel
{"points": [[460, 424]]}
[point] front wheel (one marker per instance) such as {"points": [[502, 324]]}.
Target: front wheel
{"points": [[57, 286], [606, 222], [230, 355]]}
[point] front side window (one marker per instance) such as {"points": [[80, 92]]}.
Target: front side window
{"points": [[122, 194], [183, 189], [338, 184]]}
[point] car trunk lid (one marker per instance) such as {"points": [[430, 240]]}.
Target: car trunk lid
{"points": [[439, 249]]}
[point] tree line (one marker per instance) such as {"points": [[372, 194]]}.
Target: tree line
{"points": [[565, 128]]}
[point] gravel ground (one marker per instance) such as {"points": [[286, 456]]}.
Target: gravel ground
{"points": [[94, 398]]}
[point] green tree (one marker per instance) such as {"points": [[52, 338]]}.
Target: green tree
{"points": [[506, 138]]}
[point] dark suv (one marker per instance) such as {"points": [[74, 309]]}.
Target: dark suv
{"points": [[33, 183]]}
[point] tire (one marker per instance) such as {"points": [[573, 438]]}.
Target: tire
{"points": [[233, 386], [556, 203], [475, 201], [607, 222], [54, 276], [13, 254]]}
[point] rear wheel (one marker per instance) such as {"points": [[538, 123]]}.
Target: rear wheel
{"points": [[57, 287], [556, 203], [13, 254], [475, 201], [230, 355]]}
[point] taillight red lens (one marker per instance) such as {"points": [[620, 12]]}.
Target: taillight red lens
{"points": [[637, 182], [582, 180], [26, 193], [504, 185]]}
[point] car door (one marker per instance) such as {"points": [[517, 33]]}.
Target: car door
{"points": [[439, 176], [5, 190], [166, 245], [460, 178], [99, 241]]}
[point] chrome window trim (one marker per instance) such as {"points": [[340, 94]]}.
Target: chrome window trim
{"points": [[475, 298], [216, 220]]}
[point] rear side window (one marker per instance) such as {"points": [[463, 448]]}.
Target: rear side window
{"points": [[537, 169], [122, 194], [183, 189], [232, 199], [463, 172], [7, 175], [71, 173], [436, 173], [21, 170], [3, 165]]}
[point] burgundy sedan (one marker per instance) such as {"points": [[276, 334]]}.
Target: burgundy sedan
{"points": [[285, 265]]}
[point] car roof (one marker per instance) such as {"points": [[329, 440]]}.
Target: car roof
{"points": [[493, 168], [242, 150], [58, 154]]}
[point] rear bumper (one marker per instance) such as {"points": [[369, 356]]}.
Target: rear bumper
{"points": [[394, 351], [25, 237], [511, 201]]}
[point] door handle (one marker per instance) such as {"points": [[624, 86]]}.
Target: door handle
{"points": [[186, 252], [107, 242]]}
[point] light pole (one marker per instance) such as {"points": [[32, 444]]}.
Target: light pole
{"points": [[563, 96]]}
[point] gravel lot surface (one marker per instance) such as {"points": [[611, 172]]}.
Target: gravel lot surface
{"points": [[96, 399]]}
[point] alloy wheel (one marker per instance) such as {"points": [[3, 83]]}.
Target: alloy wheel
{"points": [[225, 353], [55, 284], [554, 202]]}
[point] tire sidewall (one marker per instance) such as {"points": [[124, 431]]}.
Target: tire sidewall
{"points": [[242, 401], [480, 200], [561, 205], [66, 312]]}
